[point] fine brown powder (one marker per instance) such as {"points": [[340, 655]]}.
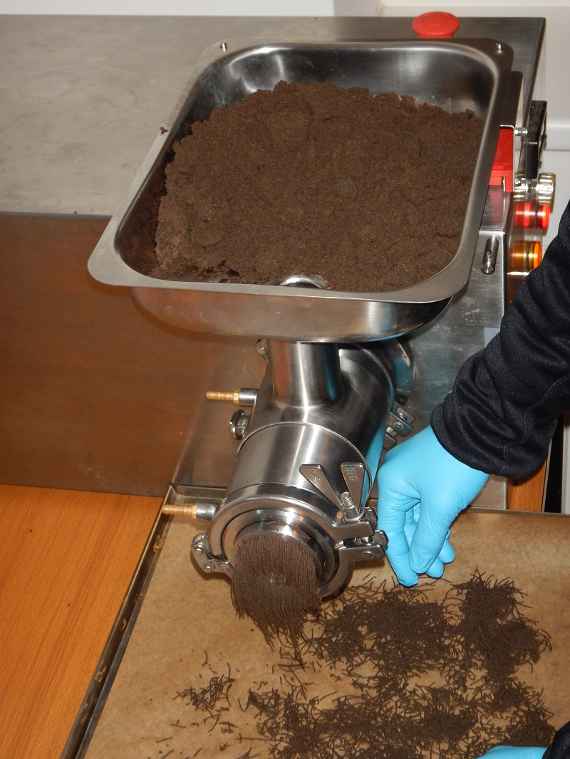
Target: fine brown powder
{"points": [[367, 192]]}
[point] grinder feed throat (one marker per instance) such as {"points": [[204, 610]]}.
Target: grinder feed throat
{"points": [[309, 450]]}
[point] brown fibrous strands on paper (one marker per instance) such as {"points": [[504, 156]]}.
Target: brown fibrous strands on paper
{"points": [[417, 676]]}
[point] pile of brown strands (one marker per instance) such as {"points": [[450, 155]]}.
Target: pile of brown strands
{"points": [[275, 583], [416, 677]]}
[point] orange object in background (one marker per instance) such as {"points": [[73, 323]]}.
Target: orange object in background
{"points": [[524, 256]]}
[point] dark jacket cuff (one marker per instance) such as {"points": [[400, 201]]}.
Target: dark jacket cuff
{"points": [[560, 747]]}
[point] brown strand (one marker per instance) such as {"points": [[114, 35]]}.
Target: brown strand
{"points": [[275, 583], [430, 678]]}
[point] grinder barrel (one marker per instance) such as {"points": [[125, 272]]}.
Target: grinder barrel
{"points": [[308, 460]]}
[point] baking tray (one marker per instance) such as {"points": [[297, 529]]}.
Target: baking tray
{"points": [[471, 74], [187, 625]]}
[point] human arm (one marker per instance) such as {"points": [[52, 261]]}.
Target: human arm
{"points": [[507, 398], [498, 419]]}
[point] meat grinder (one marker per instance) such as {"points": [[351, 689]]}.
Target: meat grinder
{"points": [[308, 452], [339, 379]]}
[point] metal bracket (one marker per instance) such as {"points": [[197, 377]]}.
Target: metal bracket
{"points": [[316, 475], [366, 549], [239, 422], [399, 424], [353, 474], [535, 138], [542, 187], [207, 563]]}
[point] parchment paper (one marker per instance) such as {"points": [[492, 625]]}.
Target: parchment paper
{"points": [[185, 615]]}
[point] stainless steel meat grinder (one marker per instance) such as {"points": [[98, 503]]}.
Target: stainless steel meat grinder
{"points": [[310, 439], [309, 449]]}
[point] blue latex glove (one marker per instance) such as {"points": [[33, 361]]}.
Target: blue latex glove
{"points": [[511, 752], [422, 489]]}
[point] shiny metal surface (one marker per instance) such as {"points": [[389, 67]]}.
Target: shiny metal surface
{"points": [[355, 412], [275, 453], [469, 322], [330, 317], [310, 456], [205, 560], [490, 256], [239, 422], [353, 475], [305, 373], [457, 75], [317, 477], [198, 510], [310, 515]]}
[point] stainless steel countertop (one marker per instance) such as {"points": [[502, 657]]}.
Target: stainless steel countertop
{"points": [[83, 97]]}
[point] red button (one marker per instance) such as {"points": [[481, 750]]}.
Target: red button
{"points": [[435, 24]]}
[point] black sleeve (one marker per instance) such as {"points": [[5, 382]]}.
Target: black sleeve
{"points": [[506, 400], [560, 748]]}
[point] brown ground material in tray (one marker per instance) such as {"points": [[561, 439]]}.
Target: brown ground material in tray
{"points": [[367, 192]]}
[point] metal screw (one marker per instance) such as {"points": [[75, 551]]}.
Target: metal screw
{"points": [[521, 131], [545, 186], [490, 254], [380, 539], [403, 415], [499, 47], [224, 47], [349, 510], [238, 424], [261, 348], [521, 187], [198, 510], [245, 396], [229, 397]]}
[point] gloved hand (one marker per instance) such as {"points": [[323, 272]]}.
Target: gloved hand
{"points": [[558, 749], [422, 489], [511, 752]]}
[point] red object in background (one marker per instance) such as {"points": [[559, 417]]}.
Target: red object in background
{"points": [[543, 214], [531, 215], [503, 163], [435, 24]]}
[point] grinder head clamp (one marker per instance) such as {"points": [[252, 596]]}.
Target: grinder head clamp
{"points": [[337, 543]]}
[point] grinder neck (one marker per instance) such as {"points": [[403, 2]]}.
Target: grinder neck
{"points": [[305, 374]]}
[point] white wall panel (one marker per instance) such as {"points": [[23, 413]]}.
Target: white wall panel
{"points": [[193, 7]]}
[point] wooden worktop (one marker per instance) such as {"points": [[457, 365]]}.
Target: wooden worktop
{"points": [[66, 561]]}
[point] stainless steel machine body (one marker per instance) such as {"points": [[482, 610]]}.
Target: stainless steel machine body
{"points": [[308, 457], [311, 443]]}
